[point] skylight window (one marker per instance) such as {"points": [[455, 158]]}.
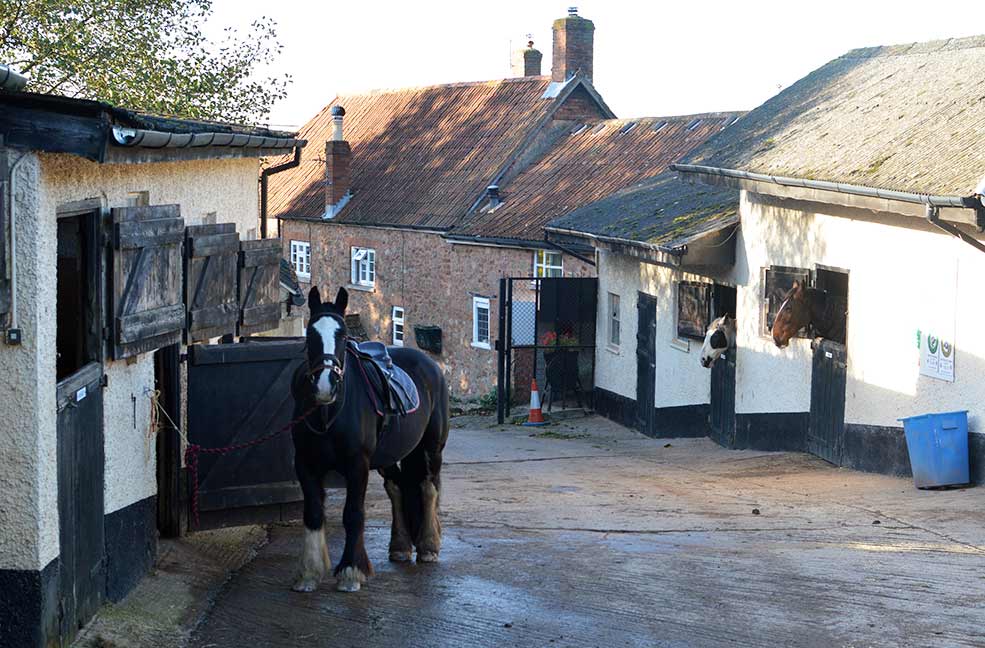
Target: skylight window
{"points": [[693, 124], [580, 129], [659, 126], [628, 127], [598, 129]]}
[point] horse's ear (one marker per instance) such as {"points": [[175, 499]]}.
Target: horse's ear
{"points": [[342, 299], [314, 299]]}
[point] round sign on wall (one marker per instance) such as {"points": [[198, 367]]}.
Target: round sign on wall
{"points": [[932, 343]]}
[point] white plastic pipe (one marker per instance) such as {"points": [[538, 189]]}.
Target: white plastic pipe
{"points": [[13, 240]]}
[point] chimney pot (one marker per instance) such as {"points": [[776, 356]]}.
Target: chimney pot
{"points": [[338, 112], [574, 47], [526, 62]]}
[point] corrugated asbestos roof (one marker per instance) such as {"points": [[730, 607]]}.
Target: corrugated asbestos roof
{"points": [[906, 117], [663, 211], [420, 156], [589, 162]]}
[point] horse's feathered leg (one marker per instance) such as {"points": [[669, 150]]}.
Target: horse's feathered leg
{"points": [[401, 546], [354, 567], [315, 561]]}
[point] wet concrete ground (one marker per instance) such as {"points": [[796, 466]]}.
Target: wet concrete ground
{"points": [[605, 538]]}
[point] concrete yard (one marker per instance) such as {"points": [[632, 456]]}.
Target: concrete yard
{"points": [[588, 534]]}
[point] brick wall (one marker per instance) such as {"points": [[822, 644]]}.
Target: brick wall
{"points": [[579, 106], [574, 45], [432, 279]]}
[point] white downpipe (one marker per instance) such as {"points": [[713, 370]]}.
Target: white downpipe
{"points": [[13, 240]]}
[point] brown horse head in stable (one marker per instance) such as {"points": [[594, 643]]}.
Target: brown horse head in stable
{"points": [[796, 312]]}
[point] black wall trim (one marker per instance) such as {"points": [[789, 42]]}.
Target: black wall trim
{"points": [[681, 421], [882, 449], [615, 407], [785, 431], [131, 546], [875, 448], [669, 422], [29, 606]]}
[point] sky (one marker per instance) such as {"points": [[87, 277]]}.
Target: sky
{"points": [[651, 58]]}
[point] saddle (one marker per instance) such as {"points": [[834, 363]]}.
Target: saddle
{"points": [[390, 386]]}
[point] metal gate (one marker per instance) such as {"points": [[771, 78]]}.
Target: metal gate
{"points": [[826, 431], [546, 332], [237, 393], [646, 363]]}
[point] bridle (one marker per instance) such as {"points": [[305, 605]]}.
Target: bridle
{"points": [[327, 361]]}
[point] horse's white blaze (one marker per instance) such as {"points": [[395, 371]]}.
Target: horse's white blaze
{"points": [[328, 329], [710, 354]]}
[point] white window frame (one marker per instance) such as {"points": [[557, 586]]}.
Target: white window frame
{"points": [[362, 267], [543, 269], [614, 320], [398, 315], [479, 303], [301, 259]]}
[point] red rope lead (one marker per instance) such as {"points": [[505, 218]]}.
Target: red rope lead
{"points": [[193, 450]]}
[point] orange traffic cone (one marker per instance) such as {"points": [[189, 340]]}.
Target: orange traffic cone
{"points": [[536, 416]]}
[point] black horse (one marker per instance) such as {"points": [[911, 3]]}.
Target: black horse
{"points": [[343, 430]]}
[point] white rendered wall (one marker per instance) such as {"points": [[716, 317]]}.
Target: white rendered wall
{"points": [[225, 188], [901, 277], [680, 378], [28, 443]]}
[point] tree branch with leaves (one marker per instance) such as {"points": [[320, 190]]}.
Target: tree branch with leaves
{"points": [[147, 55]]}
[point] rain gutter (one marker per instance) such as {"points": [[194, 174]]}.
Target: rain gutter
{"points": [[933, 202], [142, 138]]}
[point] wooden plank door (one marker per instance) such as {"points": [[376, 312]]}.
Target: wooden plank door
{"points": [[237, 393], [211, 263], [646, 363], [80, 457], [722, 415], [259, 286], [147, 309], [826, 430]]}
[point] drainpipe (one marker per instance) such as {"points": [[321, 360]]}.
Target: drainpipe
{"points": [[266, 173], [933, 217], [12, 183]]}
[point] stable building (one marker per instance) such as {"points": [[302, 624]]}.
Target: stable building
{"points": [[123, 236], [865, 181], [666, 269], [862, 181]]}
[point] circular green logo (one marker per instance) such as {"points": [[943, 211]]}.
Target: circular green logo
{"points": [[932, 343], [946, 349]]}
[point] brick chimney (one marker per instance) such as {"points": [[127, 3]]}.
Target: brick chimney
{"points": [[526, 62], [338, 159], [574, 45]]}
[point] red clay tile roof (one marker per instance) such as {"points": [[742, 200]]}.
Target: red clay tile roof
{"points": [[420, 156], [588, 163]]}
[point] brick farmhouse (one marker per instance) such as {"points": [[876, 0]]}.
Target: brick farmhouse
{"points": [[421, 199]]}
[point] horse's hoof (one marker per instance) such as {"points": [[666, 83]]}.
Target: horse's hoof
{"points": [[350, 579], [427, 556], [305, 585], [401, 556]]}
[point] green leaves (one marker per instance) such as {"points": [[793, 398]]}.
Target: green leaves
{"points": [[148, 55]]}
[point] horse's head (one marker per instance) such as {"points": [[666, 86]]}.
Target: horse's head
{"points": [[719, 337], [326, 345], [794, 314]]}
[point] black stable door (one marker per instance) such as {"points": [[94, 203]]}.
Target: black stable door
{"points": [[825, 434], [646, 363]]}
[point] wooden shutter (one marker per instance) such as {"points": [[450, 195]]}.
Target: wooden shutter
{"points": [[693, 309], [146, 303], [259, 285], [211, 260]]}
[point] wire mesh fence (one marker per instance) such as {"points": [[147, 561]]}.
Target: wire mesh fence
{"points": [[547, 335]]}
